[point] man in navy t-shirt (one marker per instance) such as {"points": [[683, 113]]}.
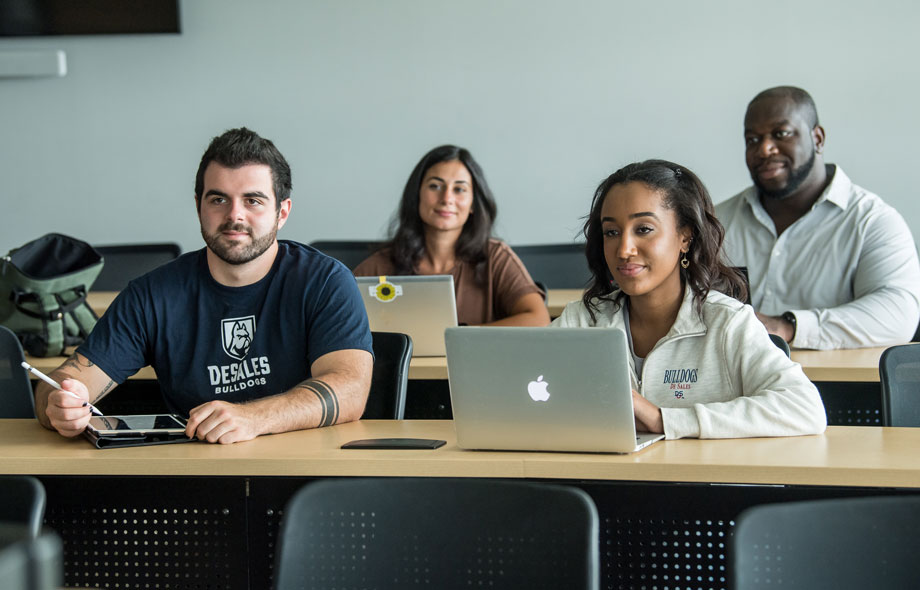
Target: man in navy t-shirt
{"points": [[248, 336]]}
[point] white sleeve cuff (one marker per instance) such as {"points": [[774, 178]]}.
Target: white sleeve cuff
{"points": [[806, 329], [680, 423]]}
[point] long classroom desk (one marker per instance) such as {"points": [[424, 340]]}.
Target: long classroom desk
{"points": [[847, 379], [857, 365], [198, 515]]}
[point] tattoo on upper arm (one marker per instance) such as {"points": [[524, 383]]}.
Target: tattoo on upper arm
{"points": [[74, 363], [327, 399]]}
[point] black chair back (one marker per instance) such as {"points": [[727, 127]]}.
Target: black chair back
{"points": [[16, 400], [556, 266], [441, 533], [128, 261], [351, 253], [842, 544], [392, 354], [781, 344], [22, 501], [899, 369]]}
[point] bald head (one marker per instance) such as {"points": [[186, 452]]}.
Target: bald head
{"points": [[797, 96], [784, 145]]}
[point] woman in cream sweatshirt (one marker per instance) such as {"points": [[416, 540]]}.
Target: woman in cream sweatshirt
{"points": [[701, 363]]}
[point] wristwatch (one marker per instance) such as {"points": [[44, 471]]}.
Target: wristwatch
{"points": [[790, 317]]}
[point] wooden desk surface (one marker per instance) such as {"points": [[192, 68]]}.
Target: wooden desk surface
{"points": [[556, 299], [843, 456], [857, 365], [100, 300]]}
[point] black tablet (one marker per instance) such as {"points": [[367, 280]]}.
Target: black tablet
{"points": [[140, 425]]}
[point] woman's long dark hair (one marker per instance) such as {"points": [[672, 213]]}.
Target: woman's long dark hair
{"points": [[685, 194], [407, 244]]}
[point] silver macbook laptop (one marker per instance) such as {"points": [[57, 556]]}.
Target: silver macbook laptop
{"points": [[542, 389], [420, 306]]}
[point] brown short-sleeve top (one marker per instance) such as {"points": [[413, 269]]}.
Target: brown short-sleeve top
{"points": [[506, 281]]}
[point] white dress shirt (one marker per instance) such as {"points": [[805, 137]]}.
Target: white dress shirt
{"points": [[847, 269]]}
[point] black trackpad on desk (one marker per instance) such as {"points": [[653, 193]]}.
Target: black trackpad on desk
{"points": [[395, 443]]}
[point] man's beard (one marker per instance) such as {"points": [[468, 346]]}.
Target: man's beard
{"points": [[238, 253], [796, 178]]}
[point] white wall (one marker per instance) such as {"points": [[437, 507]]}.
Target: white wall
{"points": [[549, 97]]}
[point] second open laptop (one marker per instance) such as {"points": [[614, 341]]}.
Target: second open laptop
{"points": [[420, 306], [542, 389]]}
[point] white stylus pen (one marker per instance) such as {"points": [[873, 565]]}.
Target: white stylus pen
{"points": [[57, 385]]}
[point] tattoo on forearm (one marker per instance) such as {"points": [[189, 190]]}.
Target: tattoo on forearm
{"points": [[327, 399], [108, 387]]}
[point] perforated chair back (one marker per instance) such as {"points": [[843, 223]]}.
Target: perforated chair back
{"points": [[392, 354], [125, 262], [29, 562], [441, 533], [22, 501], [16, 399], [899, 369], [842, 544], [556, 266], [781, 344], [351, 253]]}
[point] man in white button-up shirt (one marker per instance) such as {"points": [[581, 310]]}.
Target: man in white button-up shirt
{"points": [[830, 264]]}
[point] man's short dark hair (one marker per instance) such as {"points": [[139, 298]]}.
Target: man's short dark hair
{"points": [[799, 97], [238, 147]]}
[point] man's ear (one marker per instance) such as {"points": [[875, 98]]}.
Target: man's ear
{"points": [[284, 212], [197, 203], [817, 135]]}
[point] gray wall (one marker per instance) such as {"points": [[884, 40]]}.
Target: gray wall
{"points": [[549, 97]]}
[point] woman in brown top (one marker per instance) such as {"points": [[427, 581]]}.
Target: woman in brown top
{"points": [[444, 226]]}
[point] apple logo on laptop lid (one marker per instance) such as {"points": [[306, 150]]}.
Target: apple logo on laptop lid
{"points": [[537, 389]]}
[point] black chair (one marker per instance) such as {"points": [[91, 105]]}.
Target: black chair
{"points": [[22, 501], [556, 266], [30, 562], [16, 399], [128, 261], [899, 369], [842, 544], [781, 344], [351, 253], [387, 399], [438, 533]]}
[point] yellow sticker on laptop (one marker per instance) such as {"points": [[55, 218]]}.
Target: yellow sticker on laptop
{"points": [[385, 291]]}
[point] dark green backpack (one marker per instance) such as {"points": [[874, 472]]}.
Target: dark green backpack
{"points": [[43, 288]]}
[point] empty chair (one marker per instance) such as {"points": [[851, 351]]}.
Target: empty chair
{"points": [[556, 266], [437, 533], [128, 261], [349, 252], [780, 343], [22, 501], [899, 369], [389, 381], [842, 544], [16, 399]]}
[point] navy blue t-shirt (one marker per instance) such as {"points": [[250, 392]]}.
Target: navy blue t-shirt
{"points": [[207, 341]]}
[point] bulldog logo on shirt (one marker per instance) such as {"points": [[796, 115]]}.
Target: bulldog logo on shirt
{"points": [[237, 335]]}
